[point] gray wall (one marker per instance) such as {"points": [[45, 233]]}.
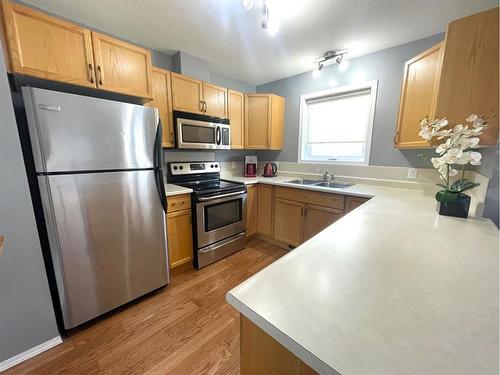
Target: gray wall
{"points": [[385, 66], [26, 313]]}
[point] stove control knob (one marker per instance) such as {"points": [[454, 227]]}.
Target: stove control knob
{"points": [[211, 165], [181, 167], [175, 167]]}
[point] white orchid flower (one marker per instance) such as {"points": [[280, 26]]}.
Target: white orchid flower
{"points": [[475, 158], [464, 159], [472, 117], [452, 172]]}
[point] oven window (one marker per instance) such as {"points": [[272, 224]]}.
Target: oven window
{"points": [[197, 134], [222, 214]]}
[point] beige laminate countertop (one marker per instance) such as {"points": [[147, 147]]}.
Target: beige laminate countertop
{"points": [[171, 190], [390, 288]]}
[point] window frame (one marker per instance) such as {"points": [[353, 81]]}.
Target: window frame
{"points": [[303, 116]]}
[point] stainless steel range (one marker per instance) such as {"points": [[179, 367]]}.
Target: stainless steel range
{"points": [[219, 210]]}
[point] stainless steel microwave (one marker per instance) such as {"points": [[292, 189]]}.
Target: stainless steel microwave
{"points": [[201, 132]]}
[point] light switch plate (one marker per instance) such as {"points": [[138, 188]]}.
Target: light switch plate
{"points": [[412, 173]]}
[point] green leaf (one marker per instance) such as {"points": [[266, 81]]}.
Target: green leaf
{"points": [[445, 196], [458, 183], [468, 186]]}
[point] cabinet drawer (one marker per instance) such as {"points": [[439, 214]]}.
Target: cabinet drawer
{"points": [[178, 202], [311, 197]]}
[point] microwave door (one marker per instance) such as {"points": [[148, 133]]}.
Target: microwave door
{"points": [[197, 134]]}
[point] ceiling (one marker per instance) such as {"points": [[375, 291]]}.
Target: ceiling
{"points": [[231, 39]]}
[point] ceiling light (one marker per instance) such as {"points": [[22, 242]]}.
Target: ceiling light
{"points": [[332, 57], [343, 65], [270, 22], [248, 4]]}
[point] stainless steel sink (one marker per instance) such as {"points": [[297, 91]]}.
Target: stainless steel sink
{"points": [[302, 181], [332, 185]]}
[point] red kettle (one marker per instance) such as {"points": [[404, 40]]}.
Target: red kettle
{"points": [[270, 170]]}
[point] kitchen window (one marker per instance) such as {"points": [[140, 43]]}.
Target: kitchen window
{"points": [[336, 125]]}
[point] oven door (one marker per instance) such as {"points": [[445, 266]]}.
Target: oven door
{"points": [[220, 217], [197, 134]]}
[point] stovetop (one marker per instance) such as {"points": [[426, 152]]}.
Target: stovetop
{"points": [[202, 177], [212, 187]]}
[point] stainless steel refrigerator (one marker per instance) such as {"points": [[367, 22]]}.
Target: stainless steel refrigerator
{"points": [[98, 165]]}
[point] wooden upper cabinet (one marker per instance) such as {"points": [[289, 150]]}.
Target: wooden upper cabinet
{"points": [[469, 77], [47, 47], [317, 218], [162, 100], [215, 100], [187, 94], [418, 96], [122, 67], [264, 121], [236, 115]]}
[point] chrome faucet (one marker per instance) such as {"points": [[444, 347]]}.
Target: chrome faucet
{"points": [[327, 176]]}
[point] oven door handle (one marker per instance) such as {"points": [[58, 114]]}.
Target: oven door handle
{"points": [[205, 199]]}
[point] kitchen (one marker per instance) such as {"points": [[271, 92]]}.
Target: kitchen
{"points": [[133, 247]]}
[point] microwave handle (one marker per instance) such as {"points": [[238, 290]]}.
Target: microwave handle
{"points": [[218, 135]]}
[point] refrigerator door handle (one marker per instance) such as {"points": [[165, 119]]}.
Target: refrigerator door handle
{"points": [[160, 184]]}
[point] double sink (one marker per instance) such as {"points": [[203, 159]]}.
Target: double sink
{"points": [[327, 184]]}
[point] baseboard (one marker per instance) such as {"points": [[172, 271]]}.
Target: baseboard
{"points": [[30, 353]]}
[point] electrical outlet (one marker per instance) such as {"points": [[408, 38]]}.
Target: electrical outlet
{"points": [[412, 173]]}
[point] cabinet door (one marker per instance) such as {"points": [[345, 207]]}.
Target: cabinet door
{"points": [[318, 218], [265, 199], [418, 97], [236, 115], [257, 121], [277, 122], [288, 221], [187, 94], [162, 100], [180, 238], [122, 67], [47, 47], [469, 78], [215, 100], [252, 210], [352, 203]]}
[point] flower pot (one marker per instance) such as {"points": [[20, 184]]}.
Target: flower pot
{"points": [[458, 208]]}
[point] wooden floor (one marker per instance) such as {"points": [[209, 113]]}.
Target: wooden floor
{"points": [[185, 328]]}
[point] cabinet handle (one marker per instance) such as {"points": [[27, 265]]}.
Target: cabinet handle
{"points": [[205, 106], [91, 71], [201, 105], [305, 211], [395, 136], [99, 74]]}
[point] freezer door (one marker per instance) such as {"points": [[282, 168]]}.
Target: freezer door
{"points": [[78, 133], [107, 239]]}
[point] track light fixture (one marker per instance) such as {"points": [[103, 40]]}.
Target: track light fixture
{"points": [[332, 57]]}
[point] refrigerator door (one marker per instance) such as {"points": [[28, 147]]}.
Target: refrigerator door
{"points": [[78, 133], [107, 239]]}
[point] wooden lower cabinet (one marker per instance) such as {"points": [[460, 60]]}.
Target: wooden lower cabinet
{"points": [[354, 202], [318, 218], [288, 221], [265, 200], [252, 210], [179, 230], [261, 354]]}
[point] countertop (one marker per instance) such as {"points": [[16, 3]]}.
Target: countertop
{"points": [[171, 190], [390, 288]]}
